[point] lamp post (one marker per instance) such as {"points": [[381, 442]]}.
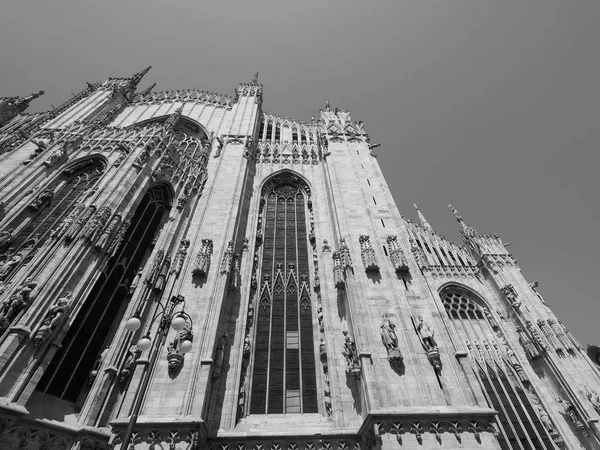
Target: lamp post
{"points": [[169, 317]]}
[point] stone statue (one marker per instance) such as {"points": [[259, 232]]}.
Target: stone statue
{"points": [[534, 286], [388, 335], [351, 356], [16, 302], [97, 365], [426, 334], [132, 355], [8, 266], [53, 317], [6, 238]]}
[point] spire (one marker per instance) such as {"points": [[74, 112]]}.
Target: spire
{"points": [[466, 230], [172, 120], [422, 218], [136, 78], [148, 89], [22, 103], [255, 79]]}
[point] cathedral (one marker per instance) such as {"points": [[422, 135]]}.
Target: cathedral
{"points": [[182, 270]]}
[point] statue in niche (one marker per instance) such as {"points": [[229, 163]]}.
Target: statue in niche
{"points": [[571, 413], [426, 334], [594, 399], [16, 303], [97, 365], [247, 346], [390, 340], [174, 355], [351, 356], [6, 238], [132, 356], [8, 266], [53, 317]]}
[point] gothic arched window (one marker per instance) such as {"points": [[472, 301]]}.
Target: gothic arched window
{"points": [[50, 207], [283, 374], [501, 377], [67, 375]]}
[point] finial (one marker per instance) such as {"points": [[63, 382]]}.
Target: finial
{"points": [[327, 105], [148, 89], [422, 218], [136, 78], [466, 230], [172, 120], [255, 79]]}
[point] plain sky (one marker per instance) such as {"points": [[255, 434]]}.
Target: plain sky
{"points": [[489, 105]]}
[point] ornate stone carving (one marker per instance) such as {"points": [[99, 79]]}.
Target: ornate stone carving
{"points": [[426, 335], [367, 253], [234, 280], [156, 265], [9, 265], [345, 254], [390, 341], [16, 303], [571, 413], [6, 238], [104, 238], [530, 348], [326, 247], [94, 225], [202, 264], [78, 224], [550, 428], [536, 335], [510, 294], [534, 287], [351, 355], [219, 355], [97, 366], [338, 271], [175, 356], [56, 155], [397, 255], [179, 257], [129, 365], [227, 262], [550, 336], [116, 242], [161, 279], [55, 315], [66, 224], [42, 198], [418, 254], [559, 332]]}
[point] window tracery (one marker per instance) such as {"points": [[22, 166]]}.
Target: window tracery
{"points": [[283, 373], [519, 424]]}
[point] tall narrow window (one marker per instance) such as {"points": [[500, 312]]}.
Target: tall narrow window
{"points": [[67, 374], [50, 206], [519, 425], [283, 377]]}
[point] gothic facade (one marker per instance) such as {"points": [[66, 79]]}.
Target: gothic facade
{"points": [[182, 270]]}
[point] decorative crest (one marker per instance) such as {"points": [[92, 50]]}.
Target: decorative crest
{"points": [[255, 79]]}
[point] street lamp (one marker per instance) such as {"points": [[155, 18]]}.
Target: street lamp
{"points": [[168, 318]]}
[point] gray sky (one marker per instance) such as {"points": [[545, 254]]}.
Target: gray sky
{"points": [[490, 105]]}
